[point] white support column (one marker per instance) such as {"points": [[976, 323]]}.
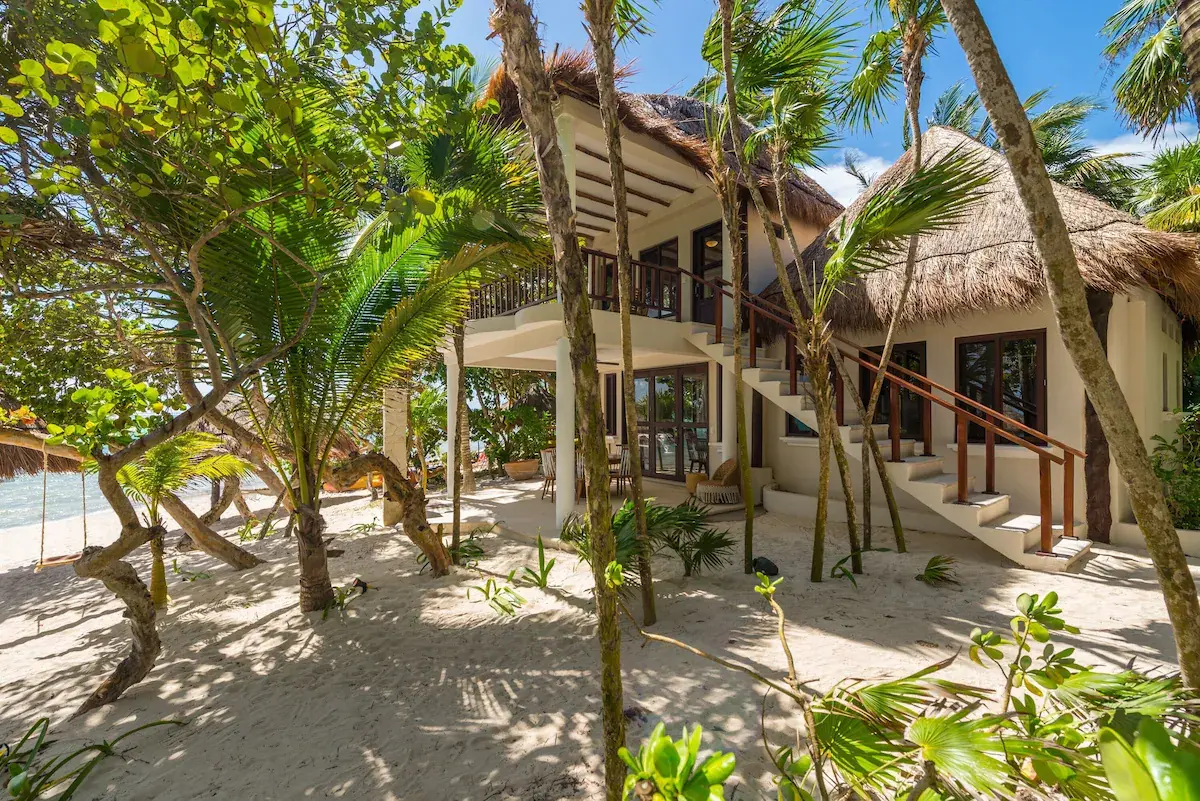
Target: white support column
{"points": [[728, 416], [451, 422], [564, 432], [395, 441]]}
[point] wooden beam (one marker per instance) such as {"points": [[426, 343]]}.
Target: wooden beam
{"points": [[591, 228], [597, 214], [606, 202], [596, 179], [646, 175]]}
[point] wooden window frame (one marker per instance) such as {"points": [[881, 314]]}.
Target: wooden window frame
{"points": [[610, 404], [998, 338], [678, 371]]}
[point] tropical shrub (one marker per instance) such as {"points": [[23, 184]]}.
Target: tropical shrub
{"points": [[513, 434], [1058, 730], [682, 530], [1177, 464], [672, 771]]}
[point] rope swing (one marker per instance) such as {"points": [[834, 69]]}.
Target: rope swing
{"points": [[66, 559]]}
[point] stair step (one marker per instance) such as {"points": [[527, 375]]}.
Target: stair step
{"points": [[923, 466], [880, 429], [1066, 552], [990, 506], [946, 483]]}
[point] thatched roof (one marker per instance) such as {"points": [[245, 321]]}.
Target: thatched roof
{"points": [[991, 262], [17, 461], [675, 121]]}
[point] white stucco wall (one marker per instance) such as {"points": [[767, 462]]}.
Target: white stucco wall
{"points": [[1137, 343]]}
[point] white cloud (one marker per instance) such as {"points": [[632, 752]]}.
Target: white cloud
{"points": [[1142, 148], [841, 184]]}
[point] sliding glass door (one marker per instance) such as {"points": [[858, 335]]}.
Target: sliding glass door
{"points": [[672, 413]]}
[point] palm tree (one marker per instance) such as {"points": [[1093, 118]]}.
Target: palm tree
{"points": [[167, 469], [1068, 295], [892, 57], [1152, 91], [606, 19], [513, 21], [1070, 158], [427, 418], [1169, 189]]}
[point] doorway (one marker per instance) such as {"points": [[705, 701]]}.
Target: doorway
{"points": [[672, 415], [708, 247]]}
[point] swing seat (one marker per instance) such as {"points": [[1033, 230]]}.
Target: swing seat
{"points": [[57, 561]]}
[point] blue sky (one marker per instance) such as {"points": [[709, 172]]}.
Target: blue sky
{"points": [[1045, 43]]}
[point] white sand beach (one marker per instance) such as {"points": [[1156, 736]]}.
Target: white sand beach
{"points": [[418, 692]]}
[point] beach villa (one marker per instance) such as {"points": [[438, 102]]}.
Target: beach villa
{"points": [[984, 422]]}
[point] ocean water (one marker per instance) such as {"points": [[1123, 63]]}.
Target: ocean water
{"points": [[21, 498]]}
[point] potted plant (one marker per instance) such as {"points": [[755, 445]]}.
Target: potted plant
{"points": [[514, 438]]}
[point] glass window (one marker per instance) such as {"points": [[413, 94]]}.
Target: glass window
{"points": [[695, 398], [1005, 372], [666, 451], [664, 398], [641, 397], [795, 428]]}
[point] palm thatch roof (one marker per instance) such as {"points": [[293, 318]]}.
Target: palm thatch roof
{"points": [[678, 122], [17, 461], [991, 262]]}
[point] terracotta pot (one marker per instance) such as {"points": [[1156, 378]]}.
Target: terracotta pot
{"points": [[522, 470]]}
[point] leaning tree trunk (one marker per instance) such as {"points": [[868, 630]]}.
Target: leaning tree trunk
{"points": [[513, 21], [122, 581], [231, 490], [405, 494], [600, 15], [1068, 294], [1187, 14], [158, 573], [1096, 480], [205, 538], [820, 388]]}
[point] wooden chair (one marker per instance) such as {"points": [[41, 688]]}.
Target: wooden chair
{"points": [[548, 473], [621, 472]]}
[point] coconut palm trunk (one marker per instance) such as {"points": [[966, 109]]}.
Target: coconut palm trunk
{"points": [[1068, 295], [1187, 15], [457, 439], [513, 21], [798, 318], [158, 574], [601, 28]]}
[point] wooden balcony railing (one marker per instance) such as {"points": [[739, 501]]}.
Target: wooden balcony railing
{"points": [[528, 286]]}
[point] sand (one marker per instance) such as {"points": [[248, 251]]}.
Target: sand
{"points": [[418, 692]]}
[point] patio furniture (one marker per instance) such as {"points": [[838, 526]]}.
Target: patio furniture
{"points": [[621, 471], [693, 480], [548, 473], [724, 487], [697, 459]]}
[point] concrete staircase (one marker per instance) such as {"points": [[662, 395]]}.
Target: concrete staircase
{"points": [[928, 479]]}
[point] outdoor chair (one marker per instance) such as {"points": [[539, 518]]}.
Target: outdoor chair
{"points": [[548, 473], [724, 487], [620, 472]]}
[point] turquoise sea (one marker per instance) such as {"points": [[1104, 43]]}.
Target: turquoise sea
{"points": [[21, 498]]}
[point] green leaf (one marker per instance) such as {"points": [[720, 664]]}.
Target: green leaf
{"points": [[1127, 775], [7, 135], [10, 106], [424, 200], [32, 69], [718, 767], [666, 758], [1174, 769]]}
